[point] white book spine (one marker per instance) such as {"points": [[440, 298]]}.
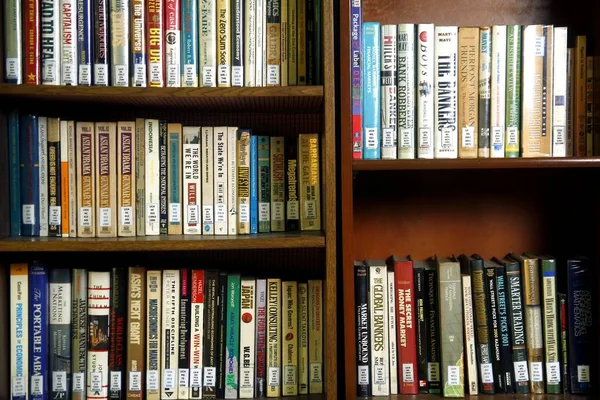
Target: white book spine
{"points": [[425, 101], [393, 344], [470, 345], [208, 42], [191, 181], [389, 137], [154, 335], [260, 42], [207, 181], [406, 91], [68, 60], [264, 44], [380, 368], [220, 189], [446, 99], [247, 338], [43, 173], [13, 41], [173, 55], [152, 177], [50, 37], [64, 160], [250, 43], [119, 46], [72, 151], [99, 327], [196, 334], [170, 327], [232, 180], [498, 95], [19, 331], [560, 98]]}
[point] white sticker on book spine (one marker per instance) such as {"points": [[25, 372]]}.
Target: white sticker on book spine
{"points": [[453, 375], [244, 213], [406, 138], [513, 136], [183, 378], [135, 381], [28, 211], [127, 216], [468, 137], [425, 138], [521, 371], [487, 373], [237, 76], [168, 379], [447, 139], [196, 378], [115, 380], [207, 214], [273, 376], [278, 210], [121, 75], [289, 375], [68, 74], [224, 74], [18, 386], [553, 372], [192, 214], [173, 75], [85, 74], [387, 137], [101, 74], [59, 380], [174, 213], [155, 73], [264, 212], [292, 210], [540, 46], [316, 372], [78, 382], [152, 213], [433, 372], [37, 385], [559, 135], [497, 136], [152, 380], [220, 213], [95, 381], [273, 75], [85, 216], [370, 138], [408, 374], [139, 75], [363, 374], [190, 74], [537, 373], [379, 372], [583, 374], [105, 217], [208, 76], [310, 209], [13, 68], [49, 71], [210, 376]]}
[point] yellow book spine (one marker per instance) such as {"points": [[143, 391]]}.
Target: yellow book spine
{"points": [[310, 182], [290, 338], [468, 91], [243, 195], [273, 337], [223, 43]]}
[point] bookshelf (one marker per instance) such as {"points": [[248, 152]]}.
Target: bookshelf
{"points": [[445, 207], [269, 110]]}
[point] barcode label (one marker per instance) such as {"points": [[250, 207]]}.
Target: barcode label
{"points": [[521, 372]]}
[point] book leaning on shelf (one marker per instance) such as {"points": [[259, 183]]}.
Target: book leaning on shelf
{"points": [[149, 177]]}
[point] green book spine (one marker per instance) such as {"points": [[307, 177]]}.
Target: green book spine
{"points": [[513, 91], [451, 329], [233, 336], [264, 185], [174, 180], [550, 315]]}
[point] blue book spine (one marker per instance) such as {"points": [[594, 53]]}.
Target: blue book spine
{"points": [[84, 42], [14, 173], [38, 328], [371, 111], [189, 43], [29, 174], [355, 40], [138, 43], [581, 304], [253, 184]]}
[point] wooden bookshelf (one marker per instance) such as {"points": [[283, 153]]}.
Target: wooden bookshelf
{"points": [[265, 110], [445, 207]]}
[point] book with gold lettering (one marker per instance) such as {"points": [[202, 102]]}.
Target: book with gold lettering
{"points": [[247, 338], [273, 336], [310, 181], [136, 339], [86, 180], [106, 179], [126, 153], [289, 345]]}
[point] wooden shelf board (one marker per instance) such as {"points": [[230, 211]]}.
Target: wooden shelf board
{"points": [[283, 240], [304, 98], [476, 163], [484, 397]]}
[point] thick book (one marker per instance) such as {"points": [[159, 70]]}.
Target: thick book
{"points": [[378, 320], [363, 333], [38, 332], [60, 333], [136, 339], [421, 309], [117, 356]]}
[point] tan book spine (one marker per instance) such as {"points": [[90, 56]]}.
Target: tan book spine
{"points": [[468, 91], [273, 42], [315, 336], [310, 183], [106, 179], [140, 177], [136, 325], [175, 179], [243, 178], [301, 6], [126, 153], [579, 106], [277, 184], [153, 334], [284, 42], [274, 337], [73, 209], [290, 338], [292, 39], [589, 101], [223, 43], [64, 177], [571, 120], [86, 182], [302, 338], [54, 179]]}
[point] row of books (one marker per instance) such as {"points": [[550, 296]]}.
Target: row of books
{"points": [[468, 325], [141, 333], [425, 91], [150, 177], [173, 43]]}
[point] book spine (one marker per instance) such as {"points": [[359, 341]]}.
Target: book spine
{"points": [[140, 177], [232, 188], [310, 194], [207, 181], [498, 93], [559, 100], [101, 46], [73, 166], [224, 34], [261, 64], [19, 332], [290, 338], [237, 43], [185, 355], [315, 335], [407, 339], [513, 91], [273, 42], [468, 91], [393, 329], [232, 336], [173, 42], [310, 43], [155, 41], [548, 92], [389, 96], [85, 25], [356, 69], [533, 324], [54, 175], [378, 320], [589, 102], [138, 43], [119, 38], [14, 172], [174, 181], [485, 81], [13, 55], [98, 331], [208, 43], [425, 101], [243, 180], [136, 338], [247, 338], [261, 338], [317, 48], [550, 320], [29, 177], [118, 335], [505, 342], [469, 331], [38, 332], [371, 94], [68, 45], [446, 50], [221, 333], [433, 343], [64, 177], [277, 150], [292, 202], [492, 303], [126, 163], [154, 334], [152, 177], [570, 100], [210, 356], [189, 43], [303, 338], [220, 181], [484, 353], [264, 185], [363, 333], [284, 55], [171, 296], [79, 332], [253, 183], [292, 43], [43, 173], [273, 339], [564, 348], [50, 39], [163, 178], [32, 73], [421, 325], [596, 105], [517, 328], [106, 179], [197, 334], [250, 42], [86, 182], [406, 131], [191, 181]]}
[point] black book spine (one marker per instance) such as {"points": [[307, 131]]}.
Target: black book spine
{"points": [[292, 206], [221, 331], [237, 43], [101, 42], [422, 312], [310, 42], [495, 329], [433, 343], [54, 198], [163, 178], [210, 356], [117, 334], [363, 343], [185, 309], [504, 323], [564, 348]]}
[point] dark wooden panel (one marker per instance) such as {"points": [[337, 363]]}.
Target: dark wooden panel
{"points": [[492, 397], [4, 333], [488, 212], [4, 176]]}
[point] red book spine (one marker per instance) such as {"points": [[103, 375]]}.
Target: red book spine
{"points": [[156, 51], [32, 42], [406, 329]]}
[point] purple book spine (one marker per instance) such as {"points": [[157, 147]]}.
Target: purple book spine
{"points": [[356, 24]]}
